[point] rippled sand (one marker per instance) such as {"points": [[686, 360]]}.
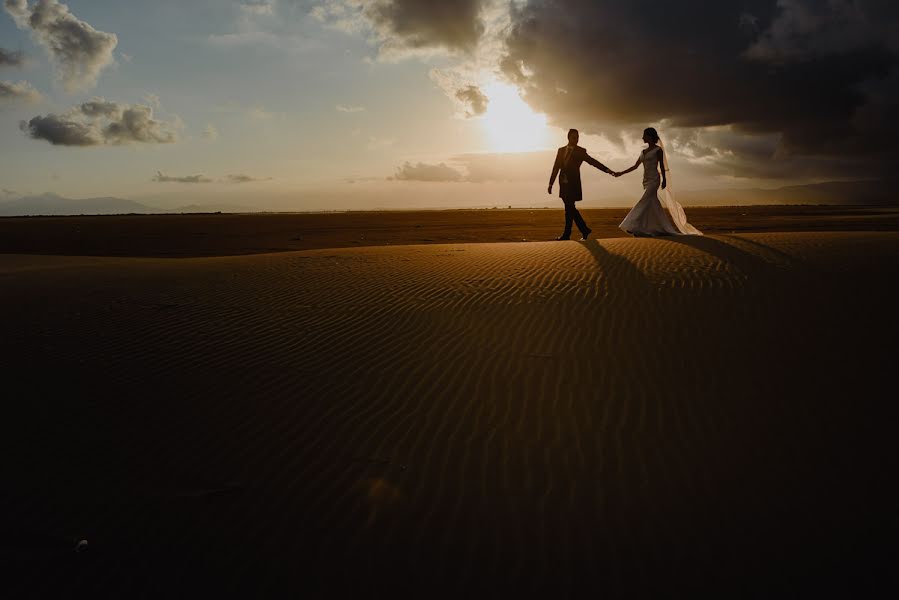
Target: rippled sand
{"points": [[624, 417]]}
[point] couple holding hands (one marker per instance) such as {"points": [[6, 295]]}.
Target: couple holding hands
{"points": [[651, 216]]}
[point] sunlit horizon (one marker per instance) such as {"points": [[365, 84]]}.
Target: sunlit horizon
{"points": [[279, 105]]}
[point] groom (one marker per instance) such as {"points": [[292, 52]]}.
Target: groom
{"points": [[568, 167]]}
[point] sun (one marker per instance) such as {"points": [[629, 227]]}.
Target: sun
{"points": [[509, 123]]}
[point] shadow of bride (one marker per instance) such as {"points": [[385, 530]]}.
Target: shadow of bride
{"points": [[746, 262], [780, 254]]}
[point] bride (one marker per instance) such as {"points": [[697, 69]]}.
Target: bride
{"points": [[649, 217]]}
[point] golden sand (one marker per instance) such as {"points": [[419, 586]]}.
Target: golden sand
{"points": [[623, 417]]}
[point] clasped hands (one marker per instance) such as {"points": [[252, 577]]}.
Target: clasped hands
{"points": [[620, 173], [549, 189]]}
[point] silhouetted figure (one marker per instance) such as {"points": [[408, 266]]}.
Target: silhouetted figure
{"points": [[568, 168]]}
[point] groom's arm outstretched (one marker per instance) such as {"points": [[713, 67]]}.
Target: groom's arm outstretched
{"points": [[593, 162], [556, 167]]}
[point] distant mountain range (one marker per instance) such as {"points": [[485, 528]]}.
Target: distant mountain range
{"points": [[830, 193], [53, 204]]}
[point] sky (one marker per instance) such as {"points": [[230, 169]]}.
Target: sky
{"points": [[359, 104]]}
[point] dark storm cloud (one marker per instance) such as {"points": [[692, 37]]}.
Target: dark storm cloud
{"points": [[426, 172], [99, 108], [400, 26], [10, 58], [820, 76], [474, 100], [79, 51], [426, 24], [99, 122], [161, 177], [61, 131]]}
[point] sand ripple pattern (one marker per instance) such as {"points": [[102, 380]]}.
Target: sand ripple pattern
{"points": [[626, 417]]}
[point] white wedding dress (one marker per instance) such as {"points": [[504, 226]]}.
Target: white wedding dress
{"points": [[654, 216]]}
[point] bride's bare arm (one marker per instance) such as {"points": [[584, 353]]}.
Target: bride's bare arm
{"points": [[626, 171], [662, 169]]}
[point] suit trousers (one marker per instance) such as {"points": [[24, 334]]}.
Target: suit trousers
{"points": [[573, 215]]}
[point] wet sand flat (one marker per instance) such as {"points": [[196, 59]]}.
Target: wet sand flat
{"points": [[618, 417]]}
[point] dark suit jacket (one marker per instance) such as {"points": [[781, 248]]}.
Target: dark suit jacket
{"points": [[569, 172]]}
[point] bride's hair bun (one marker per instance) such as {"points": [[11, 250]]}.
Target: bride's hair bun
{"points": [[651, 133]]}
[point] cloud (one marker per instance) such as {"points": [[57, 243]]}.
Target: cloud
{"points": [[78, 51], [378, 143], [241, 178], [232, 178], [426, 172], [11, 58], [457, 84], [244, 38], [473, 99], [259, 113], [98, 107], [803, 30], [481, 168], [210, 132], [17, 9], [153, 100], [98, 122], [343, 15], [259, 7], [400, 27], [161, 177], [804, 71], [349, 109], [61, 131], [19, 92]]}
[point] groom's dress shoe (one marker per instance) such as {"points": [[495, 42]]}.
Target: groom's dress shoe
{"points": [[586, 235], [562, 238]]}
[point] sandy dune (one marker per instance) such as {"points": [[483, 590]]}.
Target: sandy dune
{"points": [[194, 235], [629, 417]]}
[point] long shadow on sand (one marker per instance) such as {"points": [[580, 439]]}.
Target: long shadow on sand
{"points": [[615, 266], [787, 258], [729, 253]]}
